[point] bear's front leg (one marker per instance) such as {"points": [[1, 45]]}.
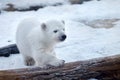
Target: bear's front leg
{"points": [[56, 63], [45, 60]]}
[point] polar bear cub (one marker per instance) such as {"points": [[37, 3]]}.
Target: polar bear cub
{"points": [[36, 41]]}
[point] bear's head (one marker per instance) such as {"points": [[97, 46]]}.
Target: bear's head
{"points": [[54, 31]]}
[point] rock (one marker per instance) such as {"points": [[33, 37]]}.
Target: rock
{"points": [[77, 1], [7, 50]]}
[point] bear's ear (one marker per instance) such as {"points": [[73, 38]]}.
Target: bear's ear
{"points": [[63, 21], [43, 26]]}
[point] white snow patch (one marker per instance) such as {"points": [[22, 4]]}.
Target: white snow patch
{"points": [[21, 4]]}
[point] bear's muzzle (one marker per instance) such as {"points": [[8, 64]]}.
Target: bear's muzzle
{"points": [[63, 37]]}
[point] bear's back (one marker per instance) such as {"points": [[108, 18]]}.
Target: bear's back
{"points": [[26, 26]]}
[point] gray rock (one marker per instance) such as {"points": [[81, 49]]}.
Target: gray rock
{"points": [[77, 1], [7, 50]]}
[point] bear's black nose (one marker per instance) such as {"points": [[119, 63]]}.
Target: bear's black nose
{"points": [[63, 37]]}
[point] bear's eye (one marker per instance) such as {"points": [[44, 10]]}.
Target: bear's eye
{"points": [[55, 31], [63, 29]]}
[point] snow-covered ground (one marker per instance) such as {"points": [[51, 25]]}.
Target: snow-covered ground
{"points": [[83, 42], [21, 4]]}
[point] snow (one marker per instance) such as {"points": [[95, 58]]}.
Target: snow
{"points": [[83, 42], [27, 3]]}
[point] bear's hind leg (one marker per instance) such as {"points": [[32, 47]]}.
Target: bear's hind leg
{"points": [[29, 61]]}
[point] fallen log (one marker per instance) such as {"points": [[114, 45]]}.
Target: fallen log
{"points": [[107, 68]]}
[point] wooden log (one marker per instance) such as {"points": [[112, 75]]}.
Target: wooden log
{"points": [[107, 68]]}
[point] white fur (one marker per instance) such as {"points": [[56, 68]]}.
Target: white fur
{"points": [[37, 44]]}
